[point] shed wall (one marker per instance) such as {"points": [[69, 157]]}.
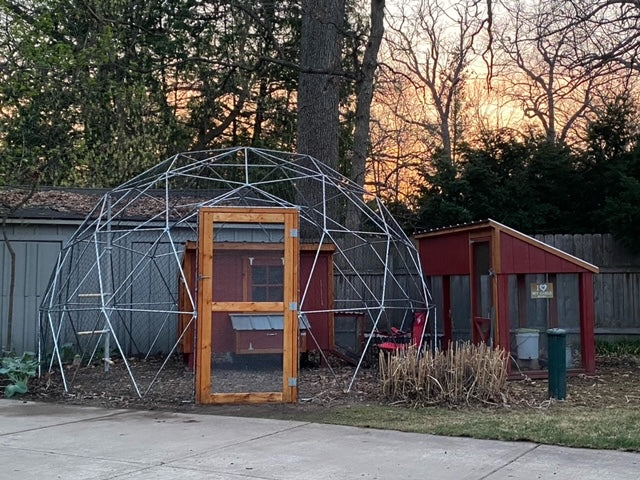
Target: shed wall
{"points": [[617, 287], [37, 250], [36, 254]]}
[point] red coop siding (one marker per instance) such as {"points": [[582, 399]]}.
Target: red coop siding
{"points": [[518, 256], [445, 255], [319, 297]]}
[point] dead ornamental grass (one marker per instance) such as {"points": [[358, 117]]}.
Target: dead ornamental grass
{"points": [[465, 374]]}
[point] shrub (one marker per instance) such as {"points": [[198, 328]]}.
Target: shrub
{"points": [[19, 369], [460, 375], [619, 348]]}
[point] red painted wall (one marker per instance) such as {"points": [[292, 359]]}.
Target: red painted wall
{"points": [[518, 256], [445, 254], [319, 297], [228, 286]]}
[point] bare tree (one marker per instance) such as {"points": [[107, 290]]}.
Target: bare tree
{"points": [[399, 142], [364, 91], [433, 45], [365, 71], [539, 51], [606, 31]]}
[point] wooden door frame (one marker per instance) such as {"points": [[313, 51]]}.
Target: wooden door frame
{"points": [[289, 217], [474, 284]]}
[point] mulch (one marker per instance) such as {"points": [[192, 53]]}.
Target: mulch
{"points": [[615, 384]]}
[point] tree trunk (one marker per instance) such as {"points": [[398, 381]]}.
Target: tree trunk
{"points": [[319, 87], [364, 91], [319, 95]]}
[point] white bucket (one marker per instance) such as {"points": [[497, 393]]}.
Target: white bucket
{"points": [[527, 343]]}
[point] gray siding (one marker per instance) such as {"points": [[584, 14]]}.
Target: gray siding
{"points": [[37, 250], [36, 254]]}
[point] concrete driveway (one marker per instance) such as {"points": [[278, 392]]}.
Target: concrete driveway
{"points": [[49, 441]]}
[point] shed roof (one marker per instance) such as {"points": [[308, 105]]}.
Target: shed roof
{"points": [[446, 249], [54, 203]]}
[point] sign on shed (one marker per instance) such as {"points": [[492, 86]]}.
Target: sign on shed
{"points": [[542, 290]]}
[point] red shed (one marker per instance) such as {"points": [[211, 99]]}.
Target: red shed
{"points": [[498, 285], [315, 269]]}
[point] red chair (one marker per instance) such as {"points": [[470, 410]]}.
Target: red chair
{"points": [[415, 340], [482, 330]]}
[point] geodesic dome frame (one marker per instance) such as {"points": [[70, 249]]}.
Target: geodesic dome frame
{"points": [[114, 285]]}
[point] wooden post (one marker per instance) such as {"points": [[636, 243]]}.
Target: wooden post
{"points": [[205, 299], [523, 291], [291, 324], [587, 322], [446, 307], [503, 321]]}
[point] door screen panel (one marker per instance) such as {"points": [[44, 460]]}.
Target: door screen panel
{"points": [[482, 294], [248, 338]]}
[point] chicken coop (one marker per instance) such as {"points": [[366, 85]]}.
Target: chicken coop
{"points": [[496, 285]]}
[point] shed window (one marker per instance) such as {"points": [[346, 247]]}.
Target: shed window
{"points": [[267, 280]]}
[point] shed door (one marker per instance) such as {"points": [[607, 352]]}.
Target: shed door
{"points": [[482, 292], [247, 305]]}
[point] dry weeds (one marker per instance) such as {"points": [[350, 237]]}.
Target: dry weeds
{"points": [[463, 375]]}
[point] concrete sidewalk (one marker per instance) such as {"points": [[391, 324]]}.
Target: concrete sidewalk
{"points": [[48, 441]]}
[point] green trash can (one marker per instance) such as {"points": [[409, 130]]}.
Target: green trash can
{"points": [[557, 341]]}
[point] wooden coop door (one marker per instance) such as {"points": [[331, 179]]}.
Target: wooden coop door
{"points": [[247, 305]]}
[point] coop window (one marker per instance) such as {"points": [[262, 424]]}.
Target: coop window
{"points": [[267, 280]]}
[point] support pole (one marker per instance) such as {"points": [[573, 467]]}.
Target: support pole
{"points": [[557, 340], [108, 295]]}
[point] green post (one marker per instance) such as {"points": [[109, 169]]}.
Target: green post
{"points": [[557, 341]]}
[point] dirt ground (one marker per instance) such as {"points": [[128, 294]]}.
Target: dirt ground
{"points": [[616, 383]]}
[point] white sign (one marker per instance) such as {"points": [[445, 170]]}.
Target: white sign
{"points": [[542, 290]]}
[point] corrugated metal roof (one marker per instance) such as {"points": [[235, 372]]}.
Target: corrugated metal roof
{"points": [[456, 226], [261, 321]]}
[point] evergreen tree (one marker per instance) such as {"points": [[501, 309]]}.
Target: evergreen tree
{"points": [[610, 168], [526, 184]]}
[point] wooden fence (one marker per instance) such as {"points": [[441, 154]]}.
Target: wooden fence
{"points": [[616, 288]]}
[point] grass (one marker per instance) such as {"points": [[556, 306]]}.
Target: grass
{"points": [[621, 347], [472, 373], [615, 428], [603, 411]]}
